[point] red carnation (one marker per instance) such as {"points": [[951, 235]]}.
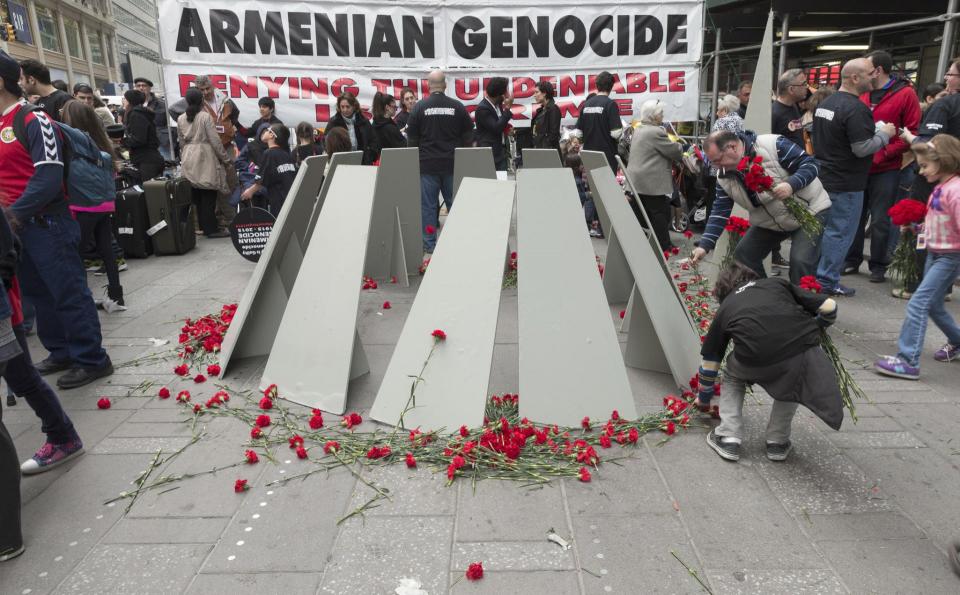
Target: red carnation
{"points": [[670, 428], [164, 393], [271, 391], [585, 476], [263, 421], [256, 433], [475, 571], [464, 431], [240, 486], [605, 441], [430, 230], [103, 403], [585, 423], [213, 370], [199, 378], [386, 305], [183, 396], [411, 462], [351, 420], [907, 211], [331, 446], [688, 234], [252, 457], [181, 370], [316, 422], [301, 452], [439, 335], [622, 314], [295, 441]]}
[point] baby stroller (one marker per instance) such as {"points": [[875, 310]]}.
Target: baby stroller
{"points": [[692, 192]]}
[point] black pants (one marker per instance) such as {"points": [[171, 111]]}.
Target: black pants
{"points": [[96, 234], [206, 203], [10, 535], [150, 166], [658, 210]]}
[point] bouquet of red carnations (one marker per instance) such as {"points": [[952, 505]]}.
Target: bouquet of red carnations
{"points": [[907, 214], [737, 228]]}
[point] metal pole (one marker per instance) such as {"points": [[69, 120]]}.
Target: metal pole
{"points": [[784, 33], [716, 78], [946, 45]]}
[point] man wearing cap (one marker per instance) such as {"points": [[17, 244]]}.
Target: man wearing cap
{"points": [[158, 107], [51, 273]]}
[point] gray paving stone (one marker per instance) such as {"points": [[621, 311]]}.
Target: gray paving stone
{"points": [[152, 430], [632, 486], [286, 535], [896, 566], [541, 581], [135, 568], [166, 530], [513, 555], [935, 425], [483, 514], [787, 582], [254, 584], [861, 526], [876, 440], [372, 555], [878, 422], [417, 492], [632, 554], [147, 445]]}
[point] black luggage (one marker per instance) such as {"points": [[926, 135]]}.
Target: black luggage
{"points": [[130, 223], [169, 208]]}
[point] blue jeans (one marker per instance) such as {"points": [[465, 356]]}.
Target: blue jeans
{"points": [[927, 302], [431, 187], [25, 382], [53, 280], [838, 232], [881, 193]]}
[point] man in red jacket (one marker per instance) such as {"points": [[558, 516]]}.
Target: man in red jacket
{"points": [[894, 101]]}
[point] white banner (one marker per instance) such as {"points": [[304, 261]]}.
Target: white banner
{"points": [[303, 54]]}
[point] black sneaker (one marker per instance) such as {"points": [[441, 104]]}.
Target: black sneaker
{"points": [[52, 366], [778, 452], [78, 376], [850, 269], [779, 261], [727, 448], [11, 552], [842, 291], [877, 276], [11, 400]]}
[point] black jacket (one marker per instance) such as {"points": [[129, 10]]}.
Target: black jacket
{"points": [[490, 128], [401, 119], [141, 135], [252, 129], [438, 125], [159, 109], [546, 127], [363, 130], [386, 135]]}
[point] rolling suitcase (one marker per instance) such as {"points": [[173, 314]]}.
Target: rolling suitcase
{"points": [[130, 223], [169, 209]]}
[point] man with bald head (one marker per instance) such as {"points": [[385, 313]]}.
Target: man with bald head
{"points": [[846, 139], [437, 125]]}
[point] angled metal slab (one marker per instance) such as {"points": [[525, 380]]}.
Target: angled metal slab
{"points": [[460, 294], [571, 365], [395, 224], [668, 336], [617, 278], [541, 158], [258, 313], [472, 162], [593, 160], [316, 350], [338, 159]]}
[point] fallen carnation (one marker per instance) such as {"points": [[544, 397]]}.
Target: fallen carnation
{"points": [[301, 452], [213, 370], [266, 404], [439, 335], [263, 421], [240, 486], [103, 403], [351, 420], [295, 441], [183, 396], [256, 433], [430, 229], [386, 305], [199, 378], [411, 462], [164, 393], [252, 457], [331, 446], [271, 391], [475, 571], [316, 422], [181, 370], [585, 476]]}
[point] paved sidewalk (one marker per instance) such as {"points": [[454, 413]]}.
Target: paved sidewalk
{"points": [[868, 509]]}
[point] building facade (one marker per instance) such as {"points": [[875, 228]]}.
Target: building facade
{"points": [[76, 39], [138, 43]]}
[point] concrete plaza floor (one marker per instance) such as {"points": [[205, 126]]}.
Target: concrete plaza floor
{"points": [[868, 509]]}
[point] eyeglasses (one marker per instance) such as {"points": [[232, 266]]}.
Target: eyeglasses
{"points": [[951, 74]]}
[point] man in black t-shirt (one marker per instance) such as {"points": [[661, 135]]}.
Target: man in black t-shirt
{"points": [[846, 139], [784, 114], [437, 125], [600, 121], [35, 80]]}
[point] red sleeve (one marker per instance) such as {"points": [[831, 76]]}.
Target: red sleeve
{"points": [[908, 116]]}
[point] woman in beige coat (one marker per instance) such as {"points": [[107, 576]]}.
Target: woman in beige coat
{"points": [[652, 155], [203, 159]]}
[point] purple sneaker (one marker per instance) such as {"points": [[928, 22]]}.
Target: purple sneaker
{"points": [[890, 365], [947, 353], [52, 455]]}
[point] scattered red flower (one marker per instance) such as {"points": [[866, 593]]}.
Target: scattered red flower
{"points": [[271, 391], [331, 446], [411, 462], [622, 314], [430, 230], [164, 393], [213, 370], [199, 378], [183, 396], [585, 476], [670, 428], [256, 433], [585, 423], [386, 305], [263, 421], [103, 403], [240, 486], [301, 452], [810, 283], [316, 422], [351, 420], [439, 335], [181, 370], [252, 457], [295, 441], [378, 452], [475, 571]]}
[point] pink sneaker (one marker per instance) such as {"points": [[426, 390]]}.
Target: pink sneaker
{"points": [[52, 455]]}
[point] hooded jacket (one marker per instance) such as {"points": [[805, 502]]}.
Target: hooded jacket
{"points": [[141, 136], [386, 135], [898, 106]]}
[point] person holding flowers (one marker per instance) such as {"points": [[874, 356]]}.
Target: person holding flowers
{"points": [[776, 332], [939, 163], [776, 182]]}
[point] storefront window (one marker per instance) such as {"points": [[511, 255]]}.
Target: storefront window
{"points": [[47, 23]]}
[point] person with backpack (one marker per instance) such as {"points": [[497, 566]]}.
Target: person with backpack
{"points": [[51, 272], [93, 206], [141, 136]]}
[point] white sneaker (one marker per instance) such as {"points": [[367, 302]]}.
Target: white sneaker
{"points": [[111, 306]]}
